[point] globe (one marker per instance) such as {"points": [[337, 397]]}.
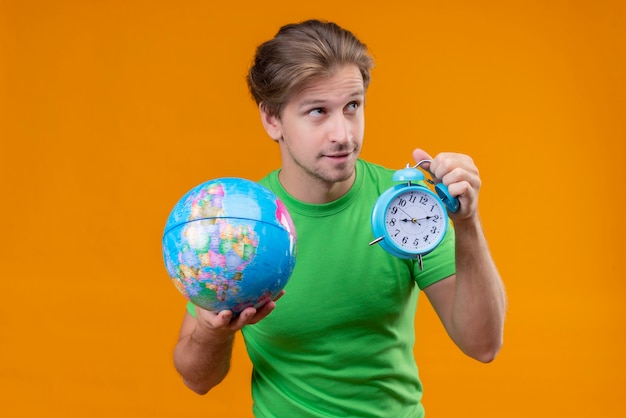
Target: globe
{"points": [[228, 244]]}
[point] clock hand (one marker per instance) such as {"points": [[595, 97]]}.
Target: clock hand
{"points": [[405, 220], [421, 219], [416, 220], [413, 221]]}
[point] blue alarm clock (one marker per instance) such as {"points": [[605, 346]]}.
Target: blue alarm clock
{"points": [[409, 220]]}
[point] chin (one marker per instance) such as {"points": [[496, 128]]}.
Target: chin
{"points": [[340, 176]]}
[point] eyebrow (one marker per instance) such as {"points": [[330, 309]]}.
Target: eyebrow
{"points": [[314, 102]]}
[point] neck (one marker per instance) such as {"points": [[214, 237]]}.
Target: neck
{"points": [[312, 190]]}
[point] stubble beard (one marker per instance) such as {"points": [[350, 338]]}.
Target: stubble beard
{"points": [[326, 173], [329, 174]]}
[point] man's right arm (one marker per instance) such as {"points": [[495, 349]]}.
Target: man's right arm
{"points": [[202, 354]]}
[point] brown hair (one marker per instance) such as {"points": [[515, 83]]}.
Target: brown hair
{"points": [[298, 53]]}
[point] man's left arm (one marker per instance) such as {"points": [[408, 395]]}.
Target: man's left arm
{"points": [[472, 303]]}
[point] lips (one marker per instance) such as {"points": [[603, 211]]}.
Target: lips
{"points": [[339, 155]]}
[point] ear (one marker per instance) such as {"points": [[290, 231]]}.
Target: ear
{"points": [[272, 124]]}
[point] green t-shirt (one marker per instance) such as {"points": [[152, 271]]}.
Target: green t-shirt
{"points": [[340, 342]]}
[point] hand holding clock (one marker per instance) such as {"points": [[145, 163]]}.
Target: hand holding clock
{"points": [[459, 173]]}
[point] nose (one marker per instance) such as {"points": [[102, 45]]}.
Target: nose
{"points": [[340, 129]]}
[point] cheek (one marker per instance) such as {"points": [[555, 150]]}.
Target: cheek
{"points": [[358, 127], [302, 140], [307, 136]]}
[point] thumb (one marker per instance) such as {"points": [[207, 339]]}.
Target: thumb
{"points": [[419, 155]]}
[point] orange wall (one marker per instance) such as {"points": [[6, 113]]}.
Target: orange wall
{"points": [[110, 111]]}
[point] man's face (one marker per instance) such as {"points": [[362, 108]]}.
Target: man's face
{"points": [[320, 131]]}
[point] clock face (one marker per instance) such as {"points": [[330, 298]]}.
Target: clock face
{"points": [[415, 220]]}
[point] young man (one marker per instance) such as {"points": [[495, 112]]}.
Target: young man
{"points": [[340, 341]]}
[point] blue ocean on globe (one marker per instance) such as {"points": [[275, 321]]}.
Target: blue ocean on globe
{"points": [[228, 244]]}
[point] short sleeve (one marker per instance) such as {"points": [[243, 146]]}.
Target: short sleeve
{"points": [[191, 308], [438, 264]]}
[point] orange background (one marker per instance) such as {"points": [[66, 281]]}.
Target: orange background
{"points": [[111, 110]]}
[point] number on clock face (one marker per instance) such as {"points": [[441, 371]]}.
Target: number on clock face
{"points": [[415, 220]]}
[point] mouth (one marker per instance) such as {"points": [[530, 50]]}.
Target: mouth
{"points": [[338, 156]]}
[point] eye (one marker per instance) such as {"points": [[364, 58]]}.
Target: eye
{"points": [[353, 106], [318, 111]]}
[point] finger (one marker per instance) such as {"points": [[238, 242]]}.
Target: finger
{"points": [[460, 189], [419, 155], [460, 174], [244, 318], [266, 309], [223, 318], [263, 312], [215, 319]]}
